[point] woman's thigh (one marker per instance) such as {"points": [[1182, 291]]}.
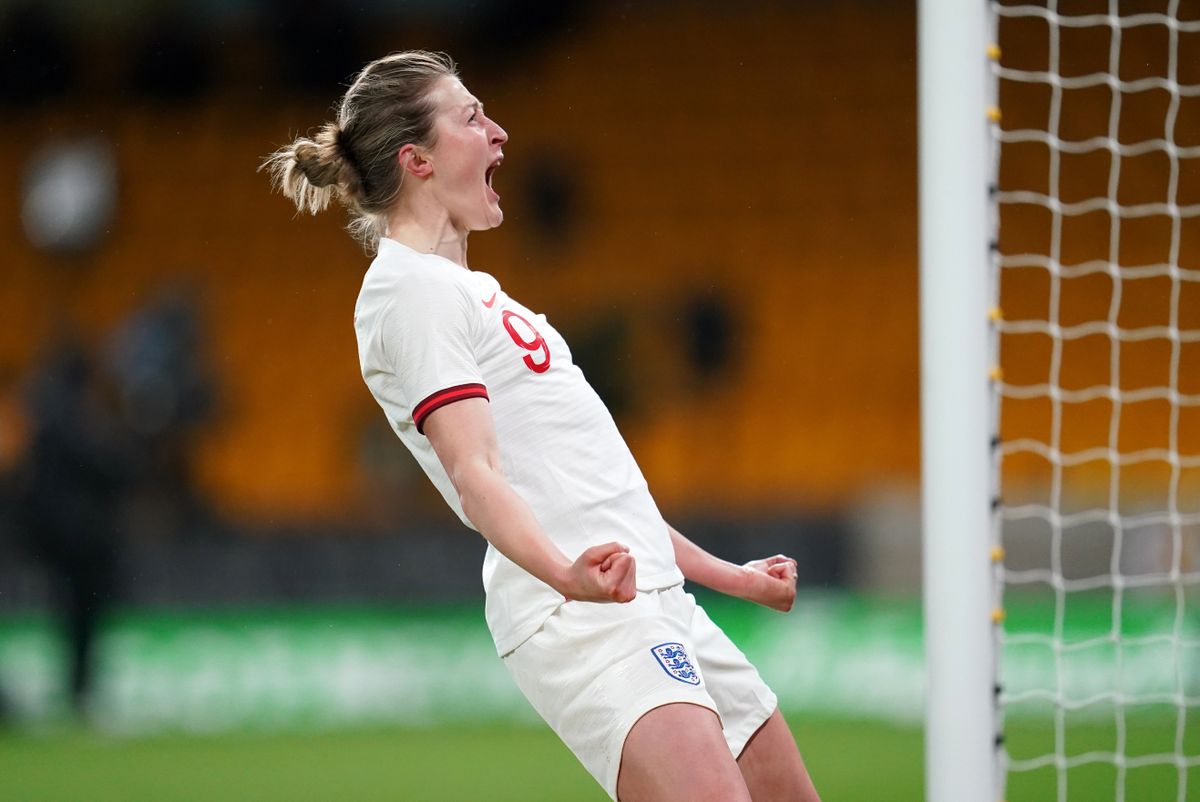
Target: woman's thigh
{"points": [[678, 751], [772, 766], [593, 671]]}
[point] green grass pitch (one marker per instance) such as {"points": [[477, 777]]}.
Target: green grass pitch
{"points": [[849, 760], [523, 764]]}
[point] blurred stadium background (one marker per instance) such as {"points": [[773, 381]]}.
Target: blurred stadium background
{"points": [[716, 204]]}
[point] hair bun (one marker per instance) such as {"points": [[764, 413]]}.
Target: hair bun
{"points": [[320, 158]]}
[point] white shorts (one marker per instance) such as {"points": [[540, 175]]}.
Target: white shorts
{"points": [[593, 670]]}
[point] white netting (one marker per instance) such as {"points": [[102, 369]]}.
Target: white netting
{"points": [[1096, 268]]}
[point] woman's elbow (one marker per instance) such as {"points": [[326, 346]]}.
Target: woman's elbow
{"points": [[475, 484]]}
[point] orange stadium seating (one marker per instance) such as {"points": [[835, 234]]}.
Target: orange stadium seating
{"points": [[712, 153]]}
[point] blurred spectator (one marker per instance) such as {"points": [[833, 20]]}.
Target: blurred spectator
{"points": [[12, 450], [165, 393], [552, 195], [709, 333], [68, 490]]}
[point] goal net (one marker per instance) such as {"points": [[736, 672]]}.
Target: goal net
{"points": [[1095, 261]]}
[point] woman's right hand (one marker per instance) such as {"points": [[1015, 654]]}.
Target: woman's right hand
{"points": [[605, 573]]}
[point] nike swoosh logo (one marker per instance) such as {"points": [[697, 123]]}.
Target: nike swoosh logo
{"points": [[490, 301]]}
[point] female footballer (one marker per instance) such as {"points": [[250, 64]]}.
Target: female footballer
{"points": [[583, 576]]}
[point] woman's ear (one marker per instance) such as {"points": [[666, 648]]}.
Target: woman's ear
{"points": [[414, 160]]}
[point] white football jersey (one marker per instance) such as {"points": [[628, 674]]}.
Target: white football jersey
{"points": [[430, 333]]}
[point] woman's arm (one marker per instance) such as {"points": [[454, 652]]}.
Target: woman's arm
{"points": [[770, 582], [464, 438]]}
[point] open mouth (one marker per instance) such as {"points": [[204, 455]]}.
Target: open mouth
{"points": [[491, 171]]}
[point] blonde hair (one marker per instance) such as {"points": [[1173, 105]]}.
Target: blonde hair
{"points": [[353, 158]]}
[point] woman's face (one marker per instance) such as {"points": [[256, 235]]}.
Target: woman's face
{"points": [[466, 153]]}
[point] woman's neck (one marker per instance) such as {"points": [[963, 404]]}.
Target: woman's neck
{"points": [[428, 229]]}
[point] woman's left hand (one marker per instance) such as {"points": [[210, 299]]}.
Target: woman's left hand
{"points": [[771, 582]]}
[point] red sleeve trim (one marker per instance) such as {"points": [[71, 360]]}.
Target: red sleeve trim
{"points": [[441, 398]]}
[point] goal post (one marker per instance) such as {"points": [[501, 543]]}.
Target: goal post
{"points": [[1060, 413], [953, 99]]}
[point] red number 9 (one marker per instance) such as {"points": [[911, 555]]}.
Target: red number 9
{"points": [[535, 344]]}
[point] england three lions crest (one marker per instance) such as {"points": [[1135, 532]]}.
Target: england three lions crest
{"points": [[675, 661]]}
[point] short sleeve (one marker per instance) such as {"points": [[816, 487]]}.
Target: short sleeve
{"points": [[427, 341]]}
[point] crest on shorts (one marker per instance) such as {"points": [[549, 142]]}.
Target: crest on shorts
{"points": [[675, 661]]}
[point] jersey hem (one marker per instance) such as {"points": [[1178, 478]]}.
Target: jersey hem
{"points": [[514, 636]]}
